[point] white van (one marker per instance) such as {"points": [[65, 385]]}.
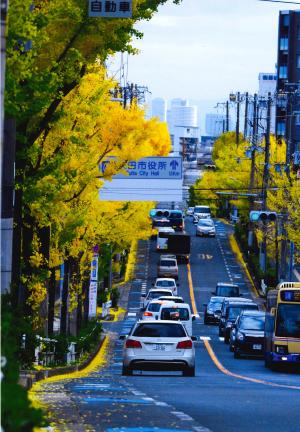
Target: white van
{"points": [[178, 312], [162, 238]]}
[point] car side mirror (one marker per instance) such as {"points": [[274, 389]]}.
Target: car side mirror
{"points": [[194, 338], [152, 284], [193, 318], [204, 304], [123, 337], [143, 295]]}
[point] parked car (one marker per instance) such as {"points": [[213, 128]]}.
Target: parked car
{"points": [[230, 311], [201, 212], [226, 289], [206, 227], [168, 283], [154, 294], [178, 312], [212, 312], [247, 334], [167, 267], [190, 211], [174, 299], [158, 345]]}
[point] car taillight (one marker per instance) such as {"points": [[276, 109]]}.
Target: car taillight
{"points": [[148, 314], [187, 344], [130, 343]]}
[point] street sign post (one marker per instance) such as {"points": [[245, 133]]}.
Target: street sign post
{"points": [[110, 9]]}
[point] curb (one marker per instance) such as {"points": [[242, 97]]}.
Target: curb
{"points": [[237, 251], [28, 378]]}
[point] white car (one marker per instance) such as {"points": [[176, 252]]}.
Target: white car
{"points": [[201, 212], [154, 293], [158, 345], [168, 283], [178, 312], [190, 211], [206, 227], [152, 310]]}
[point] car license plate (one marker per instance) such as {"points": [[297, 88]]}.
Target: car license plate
{"points": [[257, 347], [159, 347]]}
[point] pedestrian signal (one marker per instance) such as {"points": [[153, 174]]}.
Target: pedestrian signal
{"points": [[263, 216]]}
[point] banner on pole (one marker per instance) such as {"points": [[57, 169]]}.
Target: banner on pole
{"points": [[93, 287]]}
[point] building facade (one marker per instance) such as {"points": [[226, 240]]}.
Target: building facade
{"points": [[159, 109], [267, 83], [288, 81], [215, 124]]}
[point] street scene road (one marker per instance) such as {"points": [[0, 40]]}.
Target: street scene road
{"points": [[226, 394]]}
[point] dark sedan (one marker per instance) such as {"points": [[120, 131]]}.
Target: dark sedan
{"points": [[212, 311], [247, 334]]}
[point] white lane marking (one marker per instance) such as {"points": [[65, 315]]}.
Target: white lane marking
{"points": [[182, 416], [163, 404], [205, 337], [131, 314], [201, 429], [148, 399], [221, 338]]}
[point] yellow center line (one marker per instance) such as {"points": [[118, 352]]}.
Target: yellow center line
{"points": [[213, 355], [192, 295]]}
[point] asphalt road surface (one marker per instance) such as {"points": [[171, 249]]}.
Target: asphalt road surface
{"points": [[226, 395]]}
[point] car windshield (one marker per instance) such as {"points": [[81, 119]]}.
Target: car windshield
{"points": [[175, 313], [234, 311], [165, 283], [168, 263], [154, 307], [202, 210], [288, 320], [252, 323], [207, 223], [159, 330], [227, 291], [175, 215], [156, 294]]}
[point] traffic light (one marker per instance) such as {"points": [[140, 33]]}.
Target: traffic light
{"points": [[262, 216]]}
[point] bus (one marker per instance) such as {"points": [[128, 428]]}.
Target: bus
{"points": [[282, 326]]}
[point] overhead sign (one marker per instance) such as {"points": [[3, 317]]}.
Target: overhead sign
{"points": [[149, 179], [151, 168], [110, 9]]}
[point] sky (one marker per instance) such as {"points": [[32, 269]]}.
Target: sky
{"points": [[204, 49]]}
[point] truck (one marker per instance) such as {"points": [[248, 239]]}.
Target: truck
{"points": [[179, 244]]}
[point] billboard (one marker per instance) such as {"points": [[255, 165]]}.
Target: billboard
{"points": [[149, 179]]}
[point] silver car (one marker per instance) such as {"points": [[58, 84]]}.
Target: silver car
{"points": [[158, 345], [167, 267], [205, 227]]}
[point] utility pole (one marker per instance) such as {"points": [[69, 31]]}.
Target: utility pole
{"points": [[246, 115], [237, 128], [227, 116], [252, 171], [266, 183]]}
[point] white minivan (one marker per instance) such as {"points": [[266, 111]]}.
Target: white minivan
{"points": [[178, 312], [162, 238]]}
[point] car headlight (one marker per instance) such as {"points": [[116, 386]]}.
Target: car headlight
{"points": [[240, 336], [281, 349]]}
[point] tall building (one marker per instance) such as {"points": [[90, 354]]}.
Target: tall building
{"points": [[215, 124], [267, 83], [159, 109], [288, 80], [183, 126]]}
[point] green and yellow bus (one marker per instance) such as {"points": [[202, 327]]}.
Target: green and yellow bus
{"points": [[282, 328]]}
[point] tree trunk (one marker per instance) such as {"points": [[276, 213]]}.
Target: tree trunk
{"points": [[51, 301], [64, 300]]}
